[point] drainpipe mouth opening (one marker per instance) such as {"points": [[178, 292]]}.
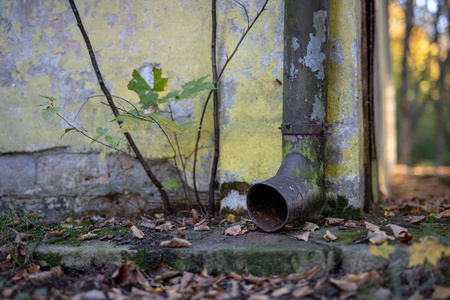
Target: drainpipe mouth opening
{"points": [[267, 207]]}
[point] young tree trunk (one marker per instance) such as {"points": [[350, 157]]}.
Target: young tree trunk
{"points": [[405, 142]]}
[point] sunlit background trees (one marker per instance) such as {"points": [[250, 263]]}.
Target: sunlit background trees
{"points": [[419, 33]]}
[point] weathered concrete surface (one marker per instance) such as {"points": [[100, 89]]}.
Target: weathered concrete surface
{"points": [[254, 253], [60, 182]]}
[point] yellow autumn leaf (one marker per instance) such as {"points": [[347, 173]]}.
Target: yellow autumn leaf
{"points": [[230, 218], [427, 250], [384, 250]]}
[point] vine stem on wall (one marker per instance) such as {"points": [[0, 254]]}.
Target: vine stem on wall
{"points": [[165, 199], [216, 78]]}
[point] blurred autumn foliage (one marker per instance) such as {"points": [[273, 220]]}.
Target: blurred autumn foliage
{"points": [[419, 36]]}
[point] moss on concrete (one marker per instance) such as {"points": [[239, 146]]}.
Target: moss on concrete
{"points": [[240, 186], [340, 207]]}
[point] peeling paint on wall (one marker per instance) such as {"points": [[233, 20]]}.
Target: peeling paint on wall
{"points": [[344, 145], [43, 53]]}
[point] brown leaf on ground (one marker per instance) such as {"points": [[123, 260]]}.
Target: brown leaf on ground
{"points": [[352, 224], [147, 223], [444, 214], [235, 230], [379, 237], [333, 221], [130, 275], [186, 280], [389, 213], [344, 284], [230, 218], [202, 227], [280, 292], [441, 292], [329, 237], [308, 275], [176, 243], [254, 279], [34, 269], [54, 233], [86, 236], [303, 237], [398, 231], [310, 226], [302, 292], [163, 272], [417, 219], [235, 276], [371, 227], [363, 278], [137, 233], [168, 226]]}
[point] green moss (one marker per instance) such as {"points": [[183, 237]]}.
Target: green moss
{"points": [[349, 237], [240, 186], [339, 208]]}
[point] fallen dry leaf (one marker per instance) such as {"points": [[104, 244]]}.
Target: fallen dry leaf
{"points": [[329, 237], [230, 218], [168, 226], [379, 237], [137, 233], [303, 237], [310, 226], [280, 292], [176, 243], [444, 214], [352, 224], [333, 221], [308, 275], [235, 230], [384, 250], [417, 219], [344, 284], [54, 233], [441, 292], [371, 227], [389, 213], [201, 227], [302, 292], [235, 276], [255, 279], [398, 231], [86, 236], [426, 250]]}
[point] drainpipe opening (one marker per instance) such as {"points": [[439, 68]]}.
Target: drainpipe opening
{"points": [[267, 207]]}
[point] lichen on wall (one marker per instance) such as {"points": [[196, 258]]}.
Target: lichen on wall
{"points": [[344, 146]]}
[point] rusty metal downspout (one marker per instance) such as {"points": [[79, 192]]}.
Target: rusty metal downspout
{"points": [[298, 188]]}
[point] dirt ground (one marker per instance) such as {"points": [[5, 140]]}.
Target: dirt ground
{"points": [[22, 277]]}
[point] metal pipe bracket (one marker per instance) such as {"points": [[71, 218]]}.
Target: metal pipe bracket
{"points": [[300, 129]]}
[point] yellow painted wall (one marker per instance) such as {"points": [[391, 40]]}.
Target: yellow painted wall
{"points": [[42, 53]]}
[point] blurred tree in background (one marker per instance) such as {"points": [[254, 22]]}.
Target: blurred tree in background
{"points": [[419, 33]]}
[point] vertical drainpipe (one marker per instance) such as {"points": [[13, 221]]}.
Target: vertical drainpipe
{"points": [[298, 188]]}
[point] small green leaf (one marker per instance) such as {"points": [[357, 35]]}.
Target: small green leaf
{"points": [[48, 98], [103, 154], [169, 124], [192, 88], [50, 111], [101, 131], [69, 129], [172, 185], [159, 82], [113, 141], [188, 127]]}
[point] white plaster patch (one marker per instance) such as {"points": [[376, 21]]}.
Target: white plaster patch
{"points": [[295, 43], [314, 57], [355, 54], [234, 201], [336, 54], [318, 109]]}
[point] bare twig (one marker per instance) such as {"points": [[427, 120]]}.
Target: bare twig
{"points": [[215, 81], [165, 199], [91, 138]]}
